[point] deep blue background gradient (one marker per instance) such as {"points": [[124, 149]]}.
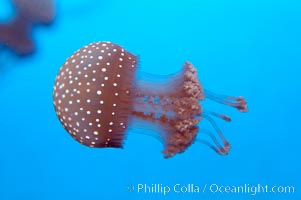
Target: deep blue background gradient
{"points": [[250, 48]]}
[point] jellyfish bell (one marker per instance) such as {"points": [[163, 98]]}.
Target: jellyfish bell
{"points": [[97, 96]]}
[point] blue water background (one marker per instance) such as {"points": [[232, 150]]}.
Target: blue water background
{"points": [[249, 48]]}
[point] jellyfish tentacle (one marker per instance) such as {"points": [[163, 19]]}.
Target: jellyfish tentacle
{"points": [[218, 115], [173, 102], [226, 148], [214, 148], [237, 102], [157, 137], [149, 134], [217, 148]]}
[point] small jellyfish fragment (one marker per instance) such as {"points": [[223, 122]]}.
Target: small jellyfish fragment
{"points": [[16, 34], [97, 96], [36, 11]]}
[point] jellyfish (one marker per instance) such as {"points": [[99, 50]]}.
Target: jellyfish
{"points": [[16, 34], [36, 11], [98, 95]]}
